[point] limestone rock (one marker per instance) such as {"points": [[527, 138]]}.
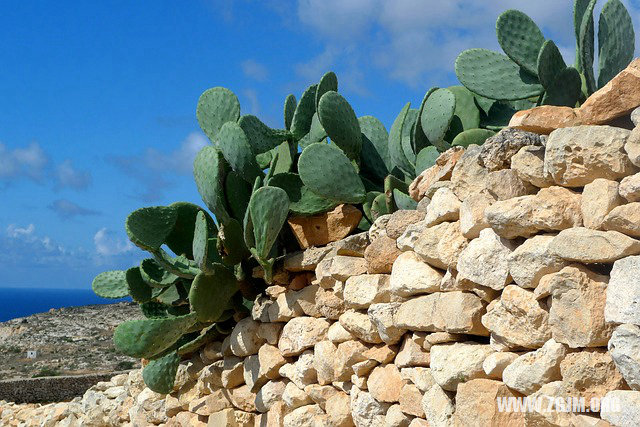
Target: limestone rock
{"points": [[378, 228], [553, 208], [229, 417], [590, 374], [367, 411], [385, 383], [232, 372], [295, 397], [348, 354], [303, 416], [396, 418], [635, 116], [242, 398], [366, 289], [338, 410], [472, 219], [529, 262], [244, 339], [455, 363], [318, 230], [360, 326], [419, 376], [468, 176], [544, 119], [439, 246], [497, 151], [438, 406], [485, 261], [302, 333], [624, 219], [615, 99], [338, 334], [440, 171], [285, 307], [632, 147], [306, 260], [530, 371], [324, 353], [528, 163], [624, 408], [381, 316], [624, 348], [576, 316], [598, 199], [411, 400], [380, 255], [343, 267], [353, 245], [410, 276], [329, 304], [269, 394], [411, 353], [444, 206], [477, 404], [505, 184], [495, 363], [302, 372], [576, 156], [593, 246], [630, 187], [400, 220], [517, 319]]}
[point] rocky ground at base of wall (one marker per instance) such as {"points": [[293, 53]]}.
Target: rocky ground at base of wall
{"points": [[67, 341]]}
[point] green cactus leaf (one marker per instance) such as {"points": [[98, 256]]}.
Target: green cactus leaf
{"points": [[269, 207], [207, 335], [153, 310], [180, 238], [238, 193], [520, 38], [579, 9], [302, 201], [328, 82], [231, 237], [286, 158], [616, 41], [261, 137], [404, 201], [264, 159], [472, 136], [139, 290], [154, 275], [301, 123], [326, 171], [290, 104], [426, 158], [340, 121], [209, 170], [379, 207], [495, 76], [420, 140], [586, 51], [483, 104], [149, 337], [210, 293], [392, 183], [247, 223], [366, 205], [407, 134], [110, 284], [148, 228], [181, 266], [565, 89], [170, 296], [201, 242], [396, 152], [499, 115], [437, 115], [237, 152], [550, 63], [160, 374], [375, 161], [216, 106], [466, 113]]}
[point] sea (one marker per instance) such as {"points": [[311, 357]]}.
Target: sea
{"points": [[21, 302]]}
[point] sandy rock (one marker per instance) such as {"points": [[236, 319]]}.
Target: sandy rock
{"points": [[528, 163], [632, 146], [323, 361], [419, 376], [385, 383], [576, 315], [366, 289], [440, 171], [232, 372], [598, 199], [302, 333], [518, 319], [285, 307], [269, 394], [623, 292], [339, 411], [244, 339], [306, 260], [412, 353], [529, 262], [472, 219], [367, 411], [630, 188], [353, 245], [411, 276], [439, 246], [590, 373], [624, 219], [270, 332], [623, 408], [348, 354], [396, 418], [455, 363], [444, 206], [477, 404], [360, 326], [497, 151], [624, 348], [231, 417], [576, 156], [485, 261], [400, 220], [505, 184], [320, 393], [553, 208], [380, 255], [343, 267], [338, 334], [329, 304], [617, 98], [295, 397], [381, 316], [438, 406], [303, 416], [411, 400], [468, 176], [378, 228], [530, 371], [544, 119], [592, 246], [302, 372], [495, 363], [242, 398], [318, 230]]}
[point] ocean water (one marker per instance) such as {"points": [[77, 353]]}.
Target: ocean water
{"points": [[20, 302]]}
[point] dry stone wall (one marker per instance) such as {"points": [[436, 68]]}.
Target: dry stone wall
{"points": [[518, 276]]}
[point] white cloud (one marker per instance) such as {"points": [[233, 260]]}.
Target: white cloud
{"points": [[108, 244], [179, 160], [29, 162], [26, 243], [66, 175], [16, 232], [255, 70], [67, 209]]}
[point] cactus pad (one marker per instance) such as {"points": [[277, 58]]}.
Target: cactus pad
{"points": [[375, 161], [139, 290], [201, 242], [230, 235], [217, 106], [403, 201], [495, 76], [149, 337], [426, 158], [472, 136], [326, 171], [209, 170], [550, 63], [328, 82], [437, 115], [237, 192], [269, 207], [153, 310], [379, 206], [586, 50], [340, 122], [466, 114], [520, 38], [616, 40], [236, 150], [160, 374], [290, 104], [260, 136], [210, 293], [565, 89], [148, 228], [301, 122], [110, 284], [302, 201], [396, 152], [154, 275], [179, 240]]}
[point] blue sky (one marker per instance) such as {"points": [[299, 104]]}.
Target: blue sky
{"points": [[97, 99]]}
